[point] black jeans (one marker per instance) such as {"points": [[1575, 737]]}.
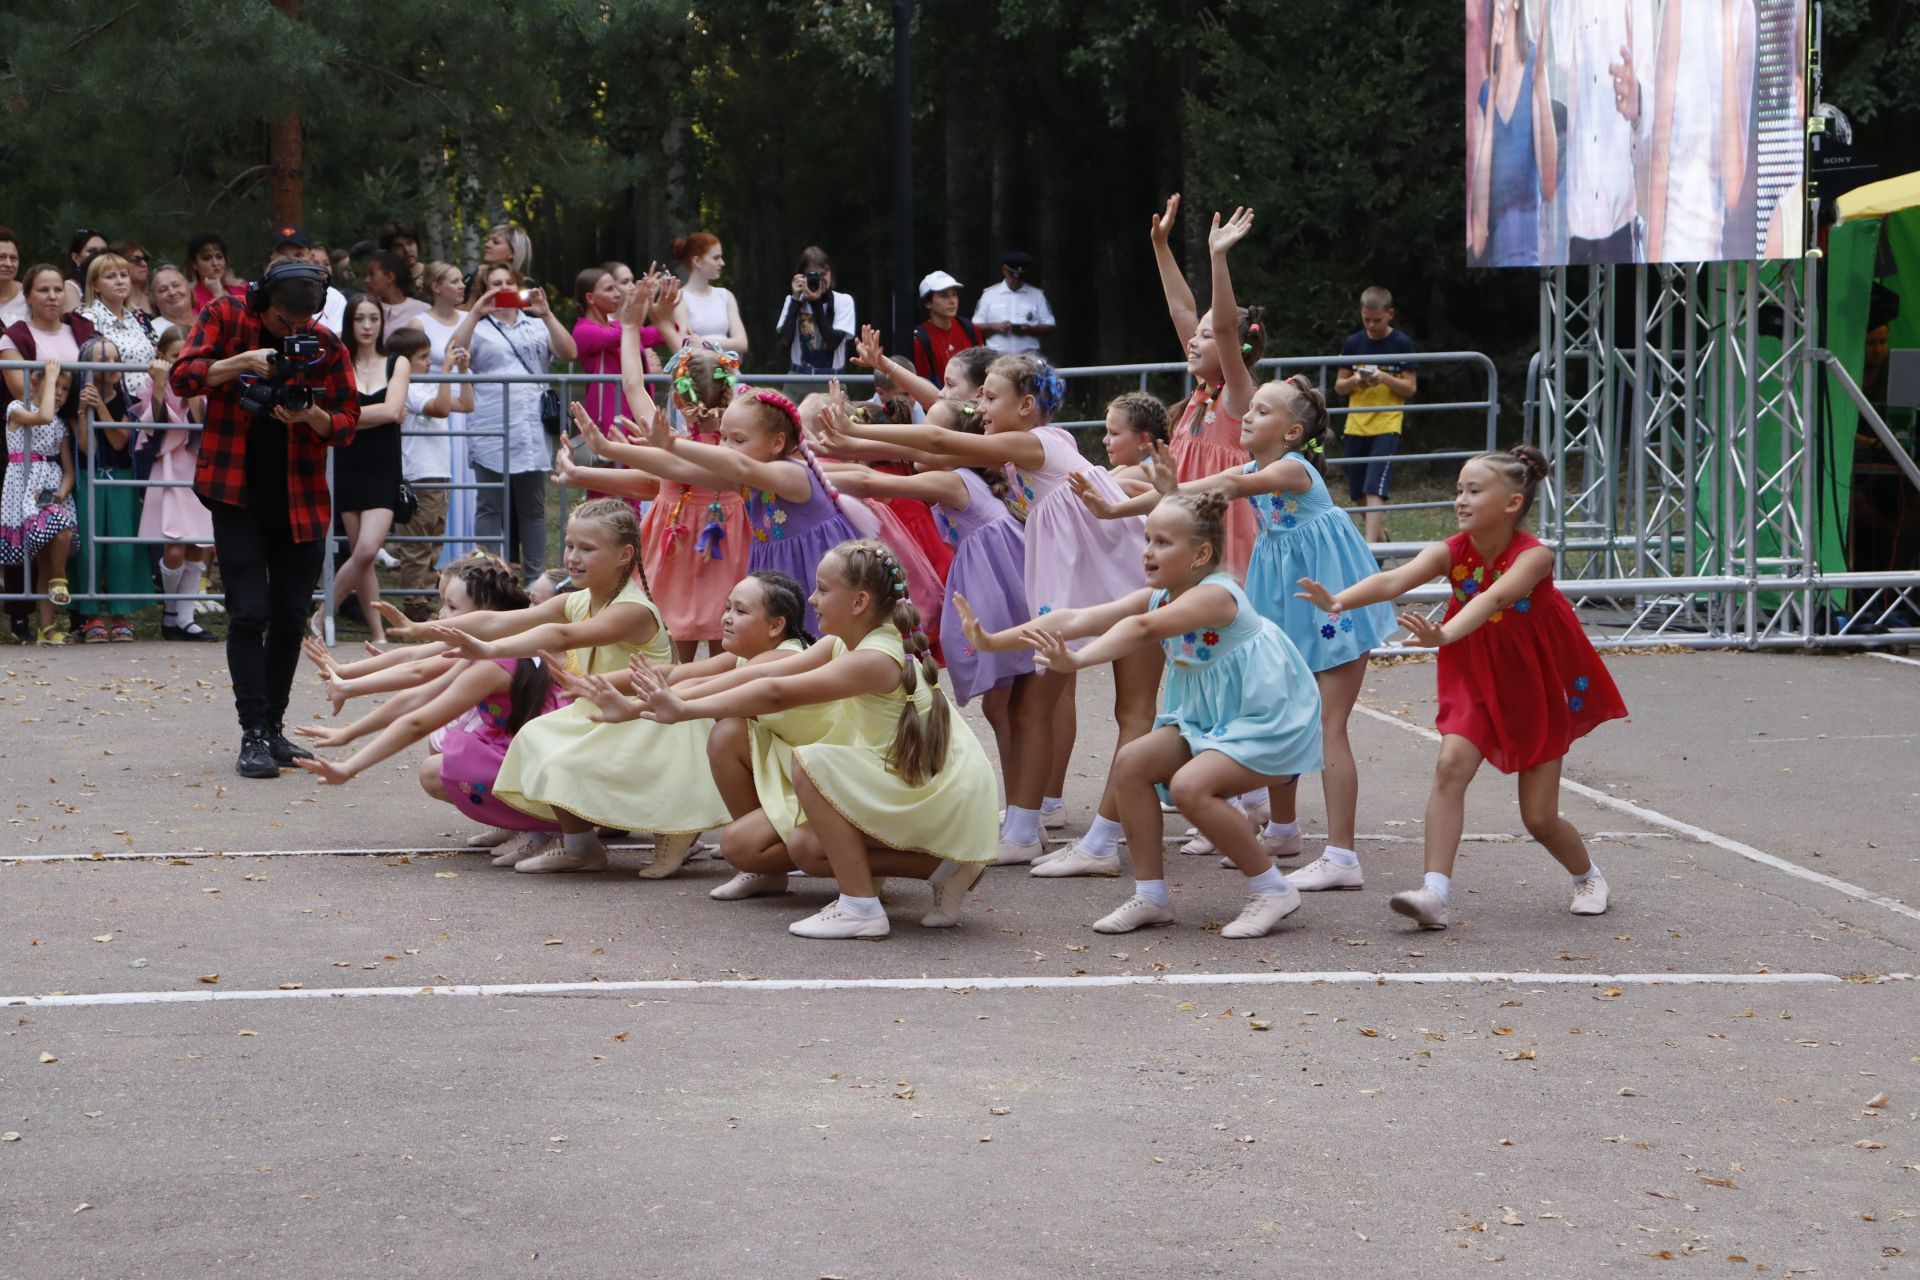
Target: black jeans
{"points": [[1618, 248], [269, 581]]}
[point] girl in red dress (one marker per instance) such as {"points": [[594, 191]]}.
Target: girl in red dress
{"points": [[1519, 680]]}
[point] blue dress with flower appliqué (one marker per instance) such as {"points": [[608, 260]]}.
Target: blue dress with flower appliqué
{"points": [[1242, 690], [1304, 535], [1526, 684]]}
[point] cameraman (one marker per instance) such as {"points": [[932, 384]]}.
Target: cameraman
{"points": [[279, 392]]}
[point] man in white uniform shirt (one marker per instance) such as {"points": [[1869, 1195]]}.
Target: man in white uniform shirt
{"points": [[1013, 315], [1604, 50]]}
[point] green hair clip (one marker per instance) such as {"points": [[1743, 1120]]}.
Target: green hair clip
{"points": [[1313, 447], [683, 387]]}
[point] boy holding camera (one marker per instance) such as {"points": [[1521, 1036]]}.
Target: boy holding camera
{"points": [[1374, 379], [279, 393]]}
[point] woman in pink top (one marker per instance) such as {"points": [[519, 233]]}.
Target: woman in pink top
{"points": [[607, 301]]}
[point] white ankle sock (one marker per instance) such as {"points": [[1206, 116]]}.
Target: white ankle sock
{"points": [[1052, 804], [945, 871], [1102, 838], [582, 843], [1268, 881], [863, 908], [1591, 873], [191, 575], [1439, 884], [1341, 857], [1021, 825], [1154, 891], [1281, 830], [1251, 799]]}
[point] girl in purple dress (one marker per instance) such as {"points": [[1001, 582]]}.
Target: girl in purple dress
{"points": [[989, 562]]}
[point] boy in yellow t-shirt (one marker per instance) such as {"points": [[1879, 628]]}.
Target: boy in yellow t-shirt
{"points": [[1373, 379]]}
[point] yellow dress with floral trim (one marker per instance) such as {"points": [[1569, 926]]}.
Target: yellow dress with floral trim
{"points": [[636, 776], [951, 815]]}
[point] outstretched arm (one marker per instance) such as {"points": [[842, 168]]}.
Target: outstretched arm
{"points": [[1529, 568], [473, 685], [1196, 609], [1388, 584], [622, 622]]}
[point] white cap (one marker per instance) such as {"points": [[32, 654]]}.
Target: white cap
{"points": [[937, 281]]}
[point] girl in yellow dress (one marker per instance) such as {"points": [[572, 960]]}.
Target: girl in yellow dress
{"points": [[600, 763], [912, 794], [600, 625]]}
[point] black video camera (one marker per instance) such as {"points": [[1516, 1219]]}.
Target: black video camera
{"points": [[281, 387]]}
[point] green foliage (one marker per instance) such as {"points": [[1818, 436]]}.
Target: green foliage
{"points": [[607, 127]]}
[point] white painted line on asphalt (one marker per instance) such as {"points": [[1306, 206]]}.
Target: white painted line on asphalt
{"points": [[1344, 977], [198, 855], [1893, 657], [1701, 834]]}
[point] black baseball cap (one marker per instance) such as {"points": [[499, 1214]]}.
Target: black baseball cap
{"points": [[1016, 258], [291, 235]]}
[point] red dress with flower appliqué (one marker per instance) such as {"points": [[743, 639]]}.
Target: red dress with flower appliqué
{"points": [[1528, 682]]}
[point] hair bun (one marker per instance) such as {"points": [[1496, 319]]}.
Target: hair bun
{"points": [[1532, 459]]}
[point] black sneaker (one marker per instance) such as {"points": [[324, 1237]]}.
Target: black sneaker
{"points": [[285, 752], [256, 756]]}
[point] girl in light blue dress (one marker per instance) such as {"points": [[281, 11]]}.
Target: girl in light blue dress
{"points": [[1241, 709], [1301, 534]]}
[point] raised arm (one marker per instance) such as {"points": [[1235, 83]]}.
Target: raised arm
{"points": [[927, 486], [1237, 389], [887, 371], [1021, 448], [1181, 306]]}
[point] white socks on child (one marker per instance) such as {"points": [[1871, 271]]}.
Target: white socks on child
{"points": [[1154, 891], [1050, 805], [1252, 799], [1021, 826], [1439, 884], [192, 573], [1591, 873], [862, 908], [1269, 881], [1338, 856], [583, 844], [1102, 838]]}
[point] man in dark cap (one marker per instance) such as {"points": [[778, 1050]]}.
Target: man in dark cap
{"points": [[1013, 315]]}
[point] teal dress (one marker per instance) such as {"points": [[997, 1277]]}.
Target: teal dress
{"points": [[1243, 690], [1304, 535]]}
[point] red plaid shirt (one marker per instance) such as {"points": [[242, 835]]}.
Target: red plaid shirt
{"points": [[226, 328]]}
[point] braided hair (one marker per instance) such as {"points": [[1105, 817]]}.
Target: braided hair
{"points": [[964, 415], [1307, 407], [617, 518], [1522, 468], [701, 378], [784, 599], [784, 417], [919, 748]]}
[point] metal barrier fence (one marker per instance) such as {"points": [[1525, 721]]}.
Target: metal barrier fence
{"points": [[1626, 610]]}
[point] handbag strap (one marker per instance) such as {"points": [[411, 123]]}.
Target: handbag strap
{"points": [[509, 341]]}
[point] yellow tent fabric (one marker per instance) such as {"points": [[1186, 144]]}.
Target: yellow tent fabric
{"points": [[1878, 199]]}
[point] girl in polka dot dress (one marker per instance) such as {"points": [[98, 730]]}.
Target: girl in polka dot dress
{"points": [[1519, 681]]}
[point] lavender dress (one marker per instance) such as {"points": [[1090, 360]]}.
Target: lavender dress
{"points": [[989, 569], [792, 536]]}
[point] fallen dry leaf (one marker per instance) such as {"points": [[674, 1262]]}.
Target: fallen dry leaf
{"points": [[446, 875], [246, 1031], [209, 978], [1728, 1183], [999, 1111], [103, 937], [292, 986], [1258, 1025], [1868, 1144], [1523, 1055], [1878, 1100], [1512, 1219], [1629, 1093], [9, 1136], [47, 1057], [1369, 1032]]}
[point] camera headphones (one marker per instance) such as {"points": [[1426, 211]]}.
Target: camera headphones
{"points": [[260, 291]]}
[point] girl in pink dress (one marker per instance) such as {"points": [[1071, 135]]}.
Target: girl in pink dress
{"points": [[173, 511], [1206, 438], [1519, 680]]}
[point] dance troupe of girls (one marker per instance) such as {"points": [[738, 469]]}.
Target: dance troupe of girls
{"points": [[828, 556]]}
